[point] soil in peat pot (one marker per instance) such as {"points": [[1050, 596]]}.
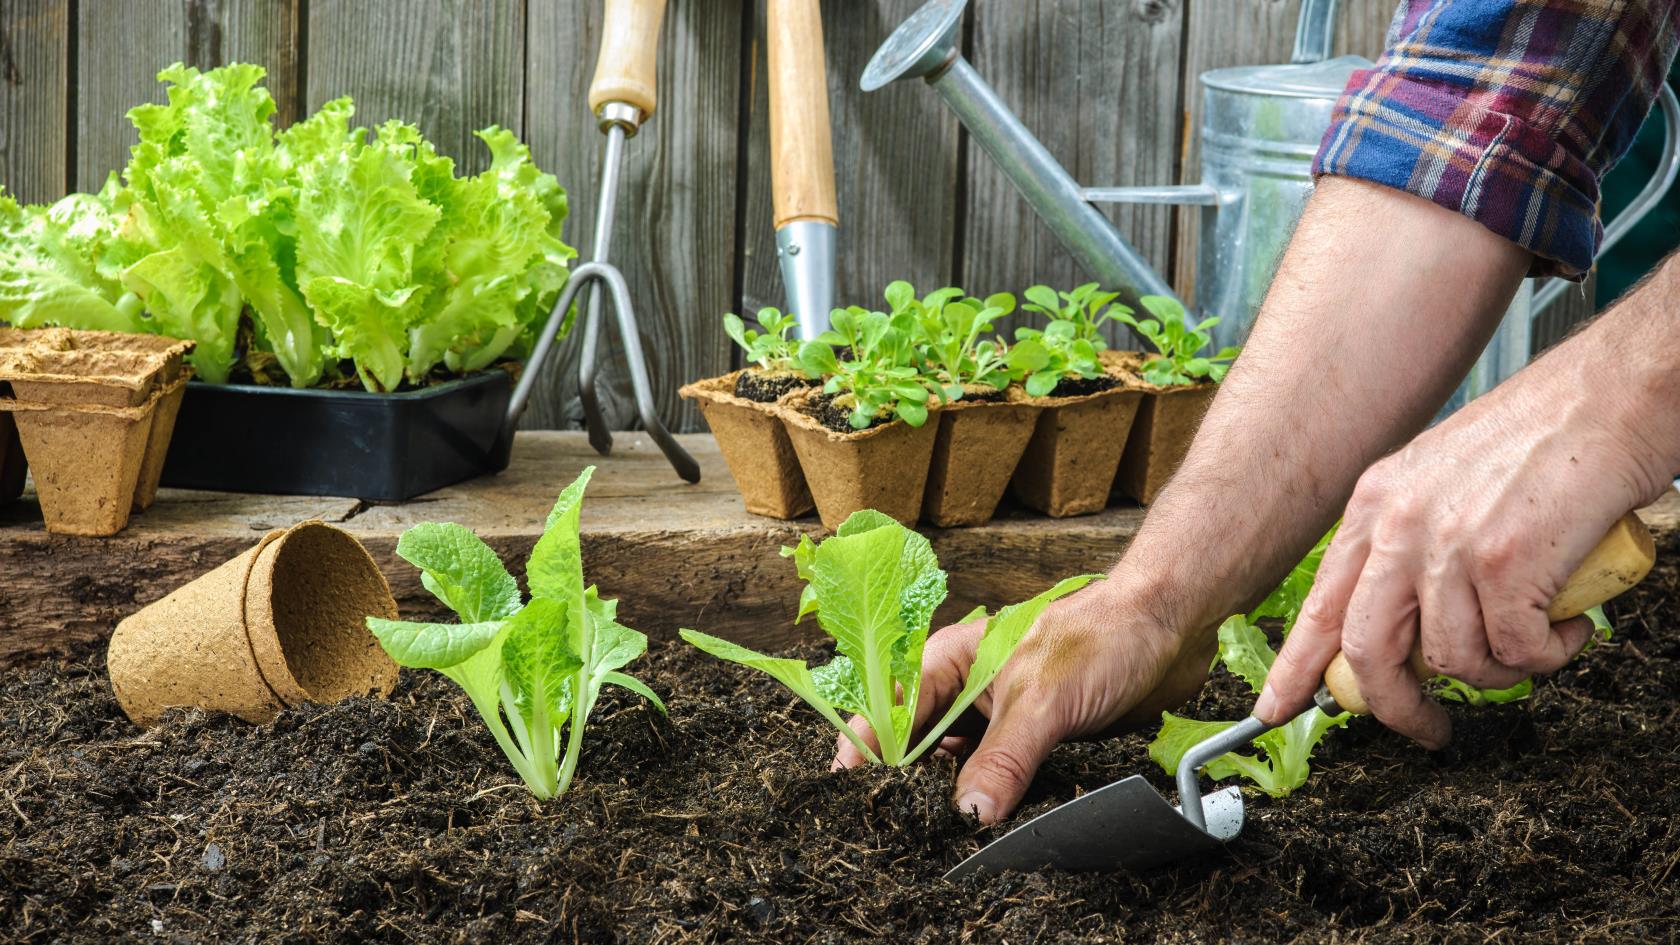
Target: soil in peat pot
{"points": [[764, 388], [1073, 386], [837, 418], [1553, 820]]}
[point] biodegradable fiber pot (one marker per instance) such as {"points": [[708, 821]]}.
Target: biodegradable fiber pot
{"points": [[1069, 464], [976, 451], [283, 623], [1167, 420], [87, 459], [755, 445], [884, 468]]}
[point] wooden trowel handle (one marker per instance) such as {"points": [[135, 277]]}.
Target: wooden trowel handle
{"points": [[1621, 559], [801, 146], [624, 70]]}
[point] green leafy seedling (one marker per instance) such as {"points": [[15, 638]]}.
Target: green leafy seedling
{"points": [[1179, 344], [874, 587], [767, 346], [882, 375], [951, 335], [1041, 358], [1086, 307], [533, 672]]}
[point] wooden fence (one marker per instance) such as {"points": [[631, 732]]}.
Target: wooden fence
{"points": [[1108, 85]]}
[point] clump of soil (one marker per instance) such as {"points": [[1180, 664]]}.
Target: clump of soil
{"points": [[1554, 820], [759, 387], [1076, 386], [836, 417]]}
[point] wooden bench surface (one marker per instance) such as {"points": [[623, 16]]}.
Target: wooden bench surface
{"points": [[677, 555]]}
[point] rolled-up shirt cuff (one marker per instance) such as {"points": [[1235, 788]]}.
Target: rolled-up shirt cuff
{"points": [[1435, 141]]}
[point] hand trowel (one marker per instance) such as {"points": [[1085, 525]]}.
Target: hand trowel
{"points": [[1129, 825]]}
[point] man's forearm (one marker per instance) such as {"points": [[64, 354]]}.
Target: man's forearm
{"points": [[1382, 302]]}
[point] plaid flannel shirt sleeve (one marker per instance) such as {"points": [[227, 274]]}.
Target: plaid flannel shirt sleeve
{"points": [[1507, 111]]}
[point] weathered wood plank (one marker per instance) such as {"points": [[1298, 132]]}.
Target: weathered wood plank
{"points": [[896, 163], [450, 67], [678, 555], [1221, 33], [123, 44], [35, 99], [674, 230], [1097, 83]]}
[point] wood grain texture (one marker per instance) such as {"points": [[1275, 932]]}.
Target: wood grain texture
{"points": [[801, 140], [1098, 83], [674, 230], [34, 99], [1220, 33], [626, 68], [895, 168], [123, 44], [677, 555], [449, 66]]}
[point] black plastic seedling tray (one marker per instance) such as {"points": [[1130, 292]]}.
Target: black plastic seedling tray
{"points": [[243, 438]]}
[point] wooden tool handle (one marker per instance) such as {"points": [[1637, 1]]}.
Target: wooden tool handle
{"points": [[801, 148], [624, 70], [1621, 559]]}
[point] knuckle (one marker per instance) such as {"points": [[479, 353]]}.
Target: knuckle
{"points": [[1492, 557], [1000, 765]]}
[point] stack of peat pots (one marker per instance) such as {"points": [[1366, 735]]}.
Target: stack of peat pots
{"points": [[789, 449], [92, 413]]}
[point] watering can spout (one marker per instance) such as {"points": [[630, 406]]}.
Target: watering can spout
{"points": [[926, 46]]}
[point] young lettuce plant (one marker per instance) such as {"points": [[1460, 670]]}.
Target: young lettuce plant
{"points": [[1178, 342], [874, 587], [533, 672], [882, 376], [1041, 358], [948, 332], [1086, 307], [771, 349], [1286, 757]]}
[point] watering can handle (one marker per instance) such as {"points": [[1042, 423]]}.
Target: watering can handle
{"points": [[1620, 560], [624, 69], [1668, 167], [1314, 31]]}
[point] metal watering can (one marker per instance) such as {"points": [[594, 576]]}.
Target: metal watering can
{"points": [[1261, 127]]}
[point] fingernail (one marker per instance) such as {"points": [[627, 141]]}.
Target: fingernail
{"points": [[978, 804]]}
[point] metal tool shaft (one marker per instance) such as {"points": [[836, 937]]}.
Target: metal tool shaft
{"points": [[1047, 186], [1190, 766]]}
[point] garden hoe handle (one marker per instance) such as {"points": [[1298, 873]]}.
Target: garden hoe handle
{"points": [[624, 70], [802, 161], [1621, 559]]}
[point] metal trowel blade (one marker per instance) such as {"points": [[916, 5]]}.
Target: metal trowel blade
{"points": [[1126, 825]]}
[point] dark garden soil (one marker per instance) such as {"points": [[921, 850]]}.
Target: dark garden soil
{"points": [[398, 821], [764, 388], [836, 417], [1073, 386]]}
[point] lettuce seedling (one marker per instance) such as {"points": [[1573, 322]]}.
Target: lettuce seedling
{"points": [[949, 329], [1287, 750], [1086, 308], [533, 672], [874, 587], [1178, 343], [771, 349], [1040, 358], [882, 374]]}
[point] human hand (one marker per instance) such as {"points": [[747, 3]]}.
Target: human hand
{"points": [[1460, 541], [1092, 665]]}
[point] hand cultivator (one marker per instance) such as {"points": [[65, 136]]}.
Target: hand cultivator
{"points": [[622, 96]]}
